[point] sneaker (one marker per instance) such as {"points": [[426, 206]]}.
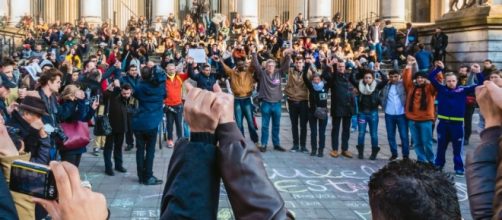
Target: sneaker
{"points": [[263, 149], [347, 154], [279, 148], [459, 173], [393, 157], [334, 153], [109, 172], [258, 145], [170, 144], [95, 151], [152, 181], [295, 149]]}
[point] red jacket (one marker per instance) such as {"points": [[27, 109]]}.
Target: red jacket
{"points": [[174, 88]]}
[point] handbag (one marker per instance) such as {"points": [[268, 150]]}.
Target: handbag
{"points": [[102, 126], [321, 113], [77, 133]]}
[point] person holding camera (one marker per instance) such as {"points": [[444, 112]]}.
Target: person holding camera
{"points": [[75, 107]]}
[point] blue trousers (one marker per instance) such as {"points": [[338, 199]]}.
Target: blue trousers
{"points": [[421, 135], [391, 123], [270, 110], [243, 109], [370, 119], [449, 131]]}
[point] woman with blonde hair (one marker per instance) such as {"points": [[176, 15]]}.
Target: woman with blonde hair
{"points": [[75, 107]]}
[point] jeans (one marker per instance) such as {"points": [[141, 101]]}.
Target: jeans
{"points": [[421, 135], [299, 110], [469, 111], [399, 121], [186, 129], [113, 143], [453, 132], [270, 110], [176, 118], [314, 132], [243, 108], [353, 124], [371, 119], [145, 144], [378, 49], [335, 132]]}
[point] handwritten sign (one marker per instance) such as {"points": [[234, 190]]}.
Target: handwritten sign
{"points": [[199, 55]]}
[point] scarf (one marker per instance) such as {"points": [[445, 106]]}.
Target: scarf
{"points": [[423, 98], [318, 87], [171, 76], [366, 89]]}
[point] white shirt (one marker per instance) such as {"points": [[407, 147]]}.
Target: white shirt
{"points": [[394, 105]]}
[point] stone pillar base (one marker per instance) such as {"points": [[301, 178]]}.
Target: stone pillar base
{"points": [[93, 20], [474, 34]]}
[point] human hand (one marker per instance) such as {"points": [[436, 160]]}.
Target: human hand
{"points": [[95, 104], [22, 92], [116, 83], [7, 148], [200, 111], [439, 64], [475, 68], [80, 95], [225, 103], [488, 97], [74, 201], [118, 65], [12, 107], [410, 60]]}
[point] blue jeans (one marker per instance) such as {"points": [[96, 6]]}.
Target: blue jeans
{"points": [[243, 108], [371, 119], [399, 121], [354, 117], [421, 135], [453, 132], [378, 49], [270, 110], [176, 118], [145, 153]]}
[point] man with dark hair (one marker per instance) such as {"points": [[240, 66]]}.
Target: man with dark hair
{"points": [[393, 99], [424, 58], [150, 93], [205, 79], [411, 39], [375, 39], [132, 78], [439, 42], [118, 105], [412, 190]]}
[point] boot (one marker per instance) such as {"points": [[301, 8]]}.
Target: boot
{"points": [[303, 149], [320, 152], [313, 152], [374, 152], [360, 151]]}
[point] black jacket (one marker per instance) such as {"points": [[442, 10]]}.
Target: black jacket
{"points": [[370, 103], [119, 110], [193, 181], [439, 41], [316, 98], [342, 92]]}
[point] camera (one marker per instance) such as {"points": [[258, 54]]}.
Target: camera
{"points": [[58, 135], [171, 109], [33, 179]]}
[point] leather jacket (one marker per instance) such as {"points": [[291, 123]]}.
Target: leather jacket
{"points": [[192, 187]]}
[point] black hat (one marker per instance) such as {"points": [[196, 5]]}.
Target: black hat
{"points": [[5, 82], [420, 73], [33, 104]]}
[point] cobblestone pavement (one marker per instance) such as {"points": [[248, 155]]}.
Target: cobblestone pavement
{"points": [[312, 187]]}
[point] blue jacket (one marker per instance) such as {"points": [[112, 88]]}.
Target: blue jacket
{"points": [[451, 102], [203, 81], [424, 59], [130, 80], [150, 95]]}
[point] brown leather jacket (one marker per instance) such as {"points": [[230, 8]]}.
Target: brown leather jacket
{"points": [[192, 186]]}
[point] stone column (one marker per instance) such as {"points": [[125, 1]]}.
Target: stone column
{"points": [[90, 10], [18, 9], [4, 8], [319, 10], [248, 9], [393, 10], [162, 8]]}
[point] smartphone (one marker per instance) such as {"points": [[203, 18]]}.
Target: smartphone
{"points": [[32, 179]]}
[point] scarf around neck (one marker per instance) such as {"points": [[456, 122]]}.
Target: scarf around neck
{"points": [[318, 87], [367, 89]]}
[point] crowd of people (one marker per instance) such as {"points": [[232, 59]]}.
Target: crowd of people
{"points": [[68, 78]]}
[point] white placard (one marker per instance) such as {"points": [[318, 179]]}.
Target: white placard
{"points": [[199, 55]]}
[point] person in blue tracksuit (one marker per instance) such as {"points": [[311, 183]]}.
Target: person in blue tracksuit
{"points": [[451, 98]]}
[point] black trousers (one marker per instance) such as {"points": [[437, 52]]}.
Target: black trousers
{"points": [[299, 110], [335, 132], [469, 111], [71, 158], [113, 143]]}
